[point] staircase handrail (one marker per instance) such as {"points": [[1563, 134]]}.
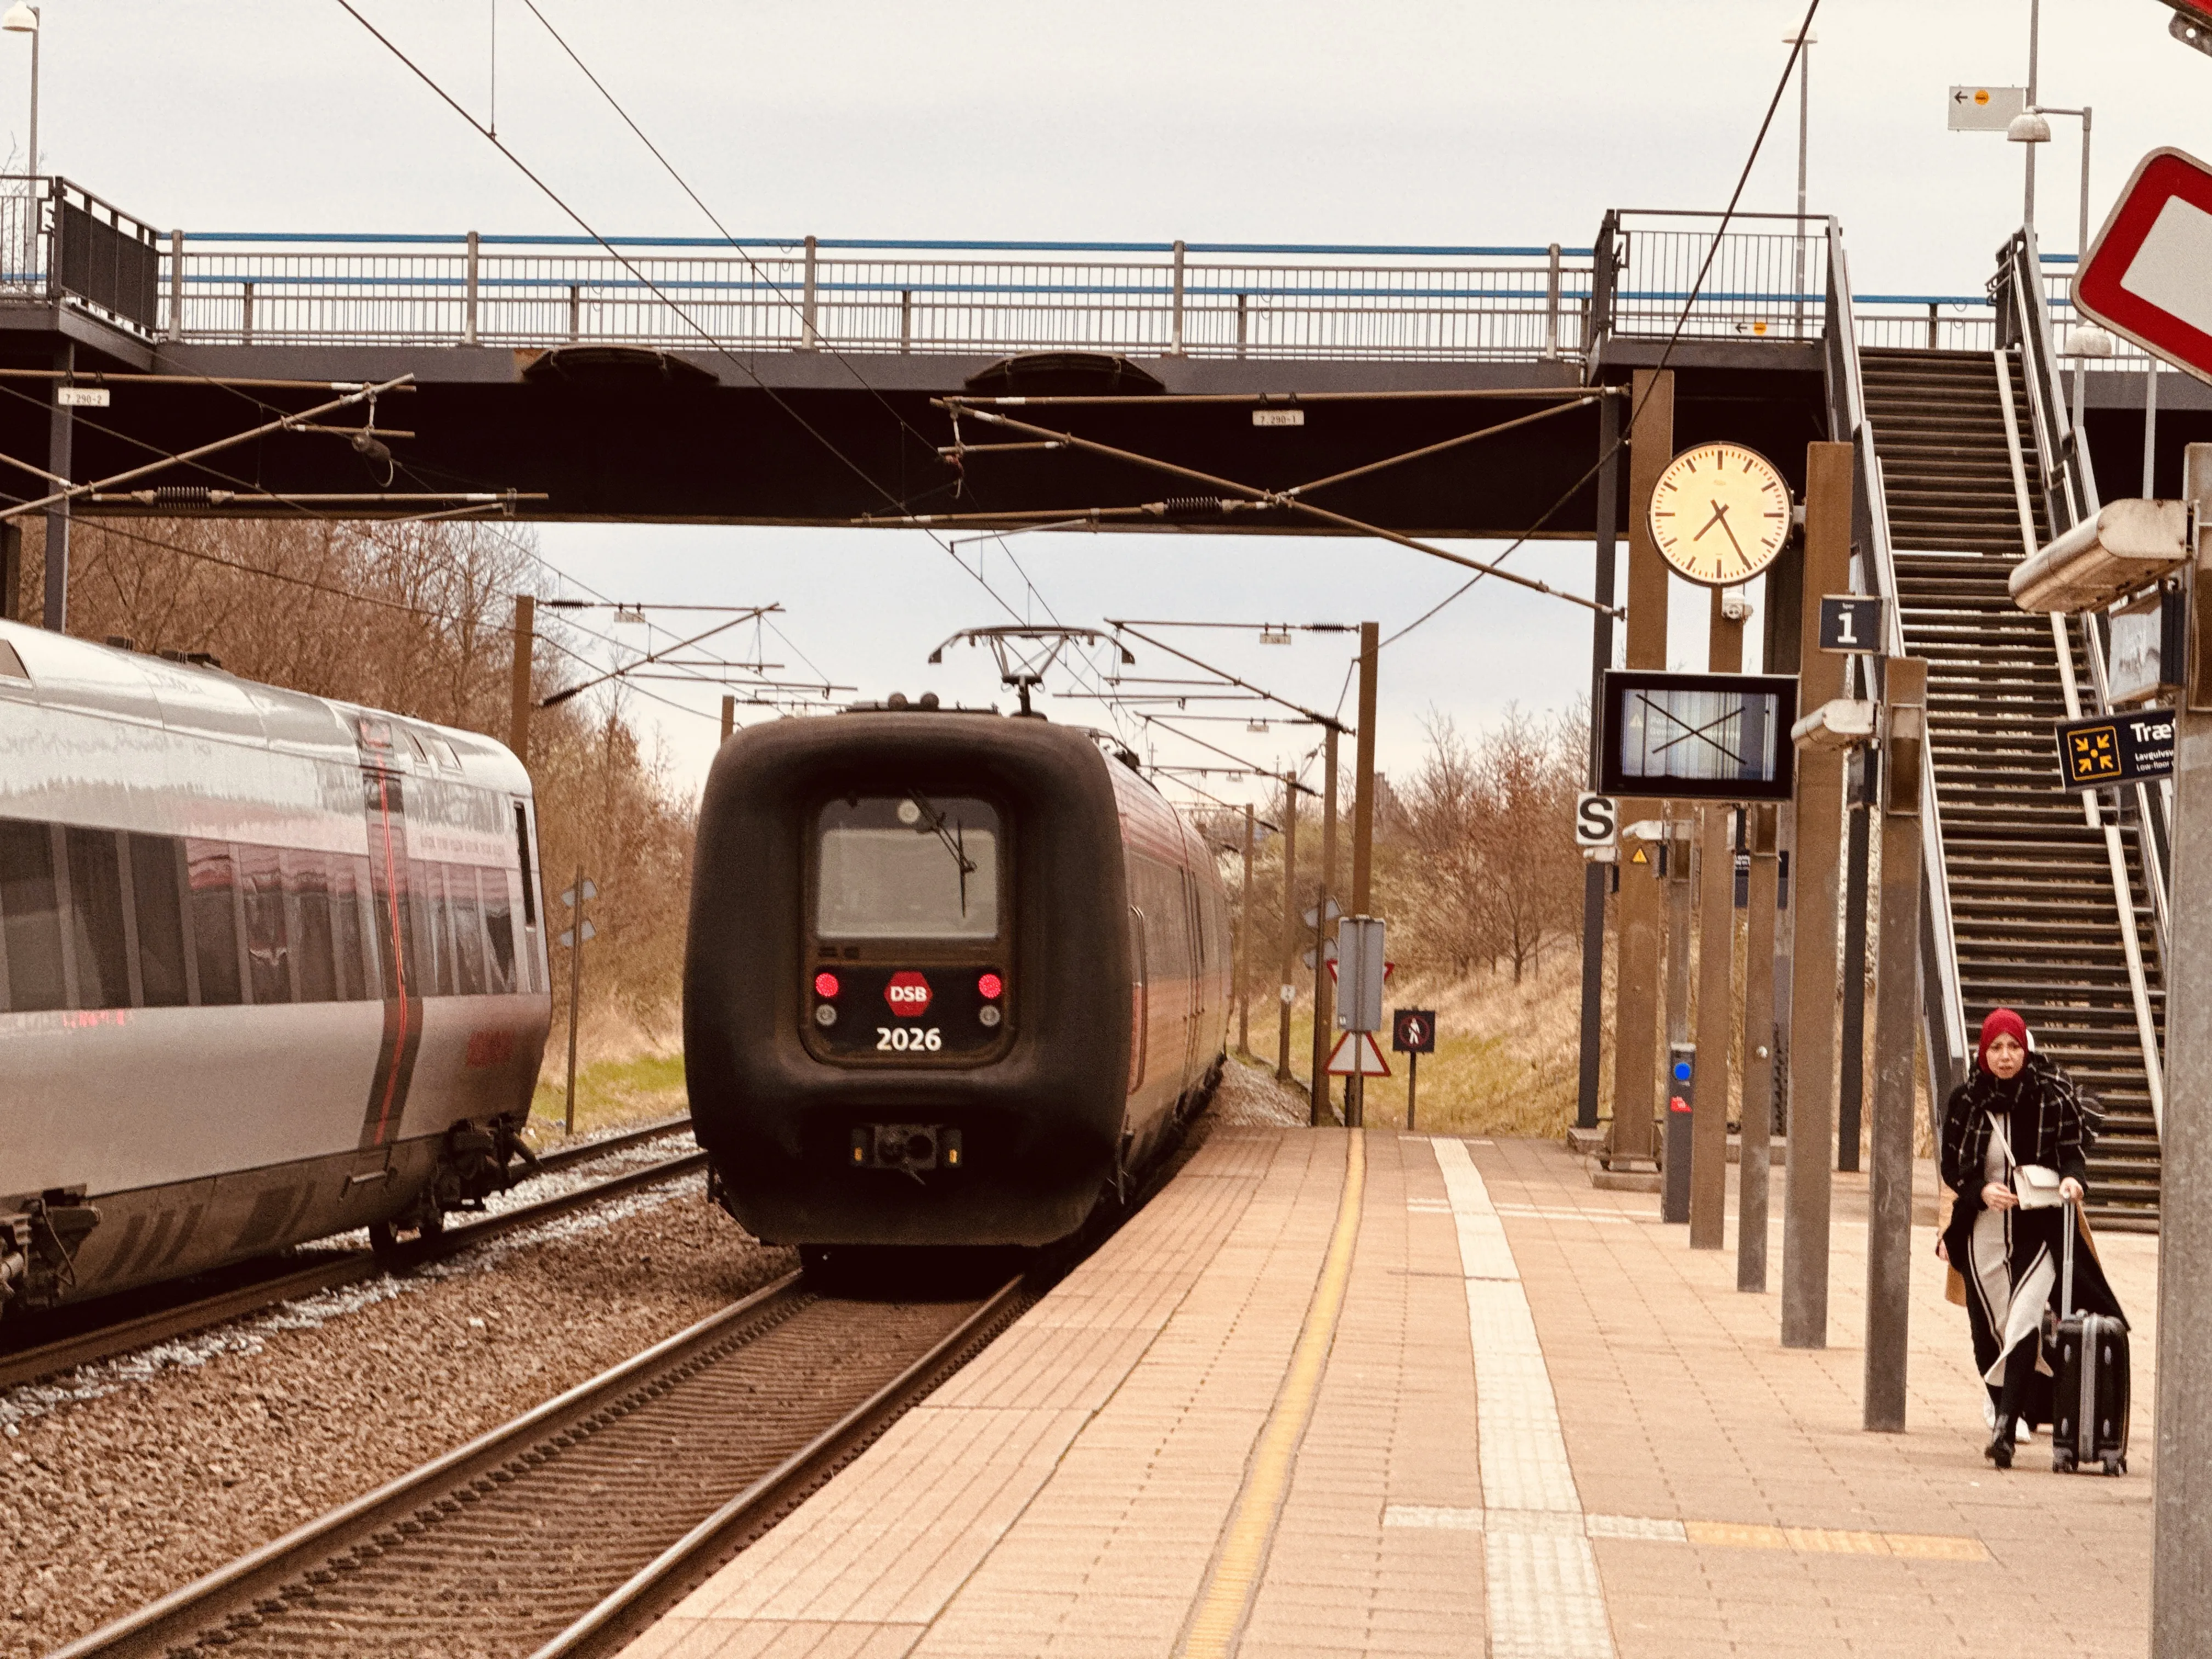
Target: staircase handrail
{"points": [[2061, 448], [1943, 1001]]}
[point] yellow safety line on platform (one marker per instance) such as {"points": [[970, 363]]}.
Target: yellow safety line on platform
{"points": [[1226, 1595]]}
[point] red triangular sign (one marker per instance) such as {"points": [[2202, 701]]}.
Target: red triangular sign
{"points": [[1357, 1051]]}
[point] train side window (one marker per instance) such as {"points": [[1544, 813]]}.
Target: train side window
{"points": [[157, 896], [522, 857], [210, 876], [499, 930], [268, 939], [31, 918], [11, 665], [314, 945], [95, 880], [468, 931], [435, 918], [348, 891]]}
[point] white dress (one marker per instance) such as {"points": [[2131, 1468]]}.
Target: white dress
{"points": [[2015, 1312]]}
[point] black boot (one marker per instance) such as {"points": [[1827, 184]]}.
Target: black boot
{"points": [[1999, 1450]]}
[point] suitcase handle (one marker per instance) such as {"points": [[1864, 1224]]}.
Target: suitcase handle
{"points": [[2066, 1268]]}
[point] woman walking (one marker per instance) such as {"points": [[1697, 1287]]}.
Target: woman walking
{"points": [[2016, 1136]]}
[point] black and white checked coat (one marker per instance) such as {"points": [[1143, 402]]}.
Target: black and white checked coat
{"points": [[2065, 1125]]}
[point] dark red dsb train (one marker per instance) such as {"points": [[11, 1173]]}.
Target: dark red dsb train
{"points": [[951, 976]]}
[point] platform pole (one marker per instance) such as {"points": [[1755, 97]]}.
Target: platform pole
{"points": [[1851, 1070], [1363, 832], [1716, 1013], [2181, 1498], [1637, 1009], [61, 432], [11, 570], [1756, 1143], [1896, 1034], [519, 698], [1324, 999], [1595, 877], [1816, 877], [1290, 929]]}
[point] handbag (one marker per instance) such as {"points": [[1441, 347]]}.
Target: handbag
{"points": [[2036, 1185]]}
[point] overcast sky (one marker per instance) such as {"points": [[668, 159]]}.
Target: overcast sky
{"points": [[1233, 120]]}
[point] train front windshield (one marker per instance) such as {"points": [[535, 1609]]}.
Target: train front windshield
{"points": [[908, 959], [908, 868]]}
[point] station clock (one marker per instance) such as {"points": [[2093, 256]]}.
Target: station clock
{"points": [[1720, 513]]}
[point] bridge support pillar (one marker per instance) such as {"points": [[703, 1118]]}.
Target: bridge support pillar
{"points": [[1594, 878], [1637, 1011]]}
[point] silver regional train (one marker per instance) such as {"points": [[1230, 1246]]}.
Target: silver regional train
{"points": [[271, 968], [951, 977]]}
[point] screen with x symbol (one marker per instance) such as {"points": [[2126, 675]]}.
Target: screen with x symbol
{"points": [[1702, 737]]}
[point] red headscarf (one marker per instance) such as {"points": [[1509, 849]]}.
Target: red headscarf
{"points": [[2002, 1022]]}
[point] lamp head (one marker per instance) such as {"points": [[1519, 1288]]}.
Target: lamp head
{"points": [[2087, 340], [21, 19], [2028, 127]]}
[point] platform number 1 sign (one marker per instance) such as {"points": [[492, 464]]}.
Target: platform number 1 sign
{"points": [[1412, 1033]]}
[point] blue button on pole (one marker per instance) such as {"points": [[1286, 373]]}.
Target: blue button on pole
{"points": [[1681, 1070]]}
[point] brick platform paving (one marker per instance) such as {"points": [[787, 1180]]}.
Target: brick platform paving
{"points": [[1546, 1427]]}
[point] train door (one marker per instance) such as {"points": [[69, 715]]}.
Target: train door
{"points": [[1194, 1017], [383, 802]]}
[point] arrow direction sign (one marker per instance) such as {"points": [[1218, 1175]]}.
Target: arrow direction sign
{"points": [[1984, 109], [2149, 275]]}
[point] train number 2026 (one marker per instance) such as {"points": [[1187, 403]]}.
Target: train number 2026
{"points": [[907, 1038]]}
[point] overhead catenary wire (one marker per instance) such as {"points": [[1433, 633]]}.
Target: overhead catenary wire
{"points": [[1682, 321], [706, 335]]}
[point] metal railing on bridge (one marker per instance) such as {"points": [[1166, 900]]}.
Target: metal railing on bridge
{"points": [[1767, 279], [1197, 298]]}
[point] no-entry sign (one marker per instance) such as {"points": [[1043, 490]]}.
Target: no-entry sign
{"points": [[2149, 275]]}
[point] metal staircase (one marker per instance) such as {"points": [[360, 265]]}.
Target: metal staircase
{"points": [[2034, 901]]}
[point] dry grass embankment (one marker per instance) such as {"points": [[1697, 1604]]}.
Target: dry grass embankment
{"points": [[1506, 1060]]}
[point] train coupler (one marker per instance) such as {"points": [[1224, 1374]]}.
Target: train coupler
{"points": [[909, 1147], [39, 1244]]}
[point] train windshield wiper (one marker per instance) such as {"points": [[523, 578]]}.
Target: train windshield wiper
{"points": [[955, 839]]}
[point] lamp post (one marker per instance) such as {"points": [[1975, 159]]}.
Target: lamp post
{"points": [[1804, 113], [23, 19], [2083, 340]]}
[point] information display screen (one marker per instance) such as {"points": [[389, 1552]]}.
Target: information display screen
{"points": [[1697, 737]]}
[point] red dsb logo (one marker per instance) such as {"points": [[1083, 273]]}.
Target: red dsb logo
{"points": [[908, 994]]}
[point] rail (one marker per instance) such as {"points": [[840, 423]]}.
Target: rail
{"points": [[2020, 294], [1943, 1017]]}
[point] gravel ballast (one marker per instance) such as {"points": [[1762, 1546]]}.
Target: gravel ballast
{"points": [[131, 1477]]}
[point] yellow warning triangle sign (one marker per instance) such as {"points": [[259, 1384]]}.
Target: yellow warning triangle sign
{"points": [[1637, 857]]}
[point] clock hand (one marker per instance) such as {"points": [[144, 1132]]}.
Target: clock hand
{"points": [[1731, 535], [1720, 517]]}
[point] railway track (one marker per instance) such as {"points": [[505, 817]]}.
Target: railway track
{"points": [[571, 1527], [160, 1323]]}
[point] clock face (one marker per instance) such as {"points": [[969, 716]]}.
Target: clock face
{"points": [[1720, 513]]}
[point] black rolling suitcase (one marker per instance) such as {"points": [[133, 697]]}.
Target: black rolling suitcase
{"points": [[2090, 1418]]}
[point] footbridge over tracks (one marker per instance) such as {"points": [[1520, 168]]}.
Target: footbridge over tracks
{"points": [[804, 380]]}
